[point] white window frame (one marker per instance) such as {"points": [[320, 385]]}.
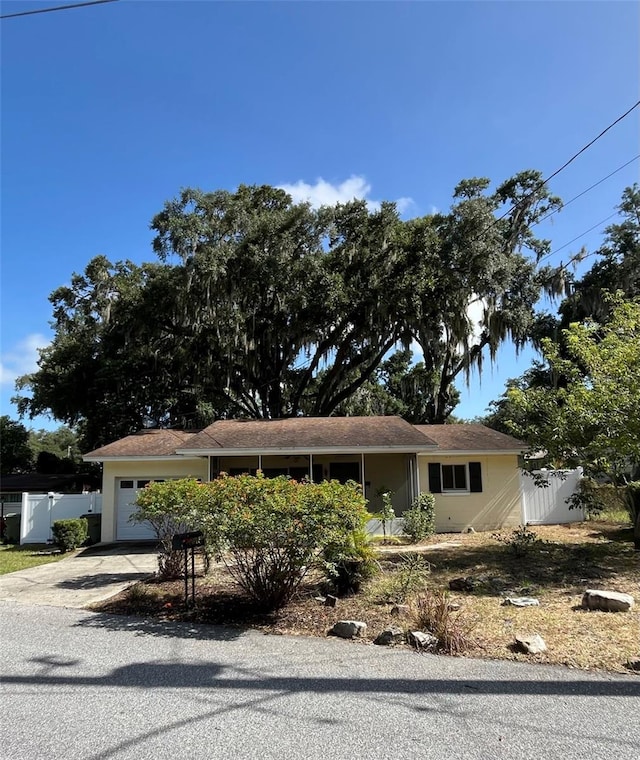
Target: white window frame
{"points": [[455, 491]]}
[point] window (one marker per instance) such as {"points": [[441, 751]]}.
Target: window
{"points": [[455, 478]]}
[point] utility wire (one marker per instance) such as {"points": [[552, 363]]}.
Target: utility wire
{"points": [[577, 237], [57, 8], [584, 192], [543, 182]]}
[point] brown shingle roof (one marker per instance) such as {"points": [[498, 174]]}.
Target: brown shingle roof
{"points": [[305, 433], [149, 443], [468, 437]]}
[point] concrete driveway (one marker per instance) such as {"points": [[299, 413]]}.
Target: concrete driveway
{"points": [[90, 576]]}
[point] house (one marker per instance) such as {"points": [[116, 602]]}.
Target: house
{"points": [[472, 470]]}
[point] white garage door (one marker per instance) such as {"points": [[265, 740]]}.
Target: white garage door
{"points": [[127, 490]]}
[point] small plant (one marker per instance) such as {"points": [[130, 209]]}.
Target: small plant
{"points": [[70, 534], [387, 513], [419, 521], [348, 566], [433, 613], [407, 580], [521, 541]]}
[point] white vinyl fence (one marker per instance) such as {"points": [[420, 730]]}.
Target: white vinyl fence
{"points": [[41, 510], [547, 505]]}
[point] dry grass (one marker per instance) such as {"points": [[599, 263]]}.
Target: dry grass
{"points": [[572, 559]]}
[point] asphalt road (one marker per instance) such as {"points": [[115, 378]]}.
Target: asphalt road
{"points": [[75, 684]]}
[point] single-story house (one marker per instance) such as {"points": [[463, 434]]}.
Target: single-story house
{"points": [[472, 470]]}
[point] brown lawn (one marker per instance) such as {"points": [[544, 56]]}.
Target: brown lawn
{"points": [[557, 569]]}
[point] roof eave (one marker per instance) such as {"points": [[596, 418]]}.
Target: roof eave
{"points": [[301, 451], [474, 452], [138, 457]]}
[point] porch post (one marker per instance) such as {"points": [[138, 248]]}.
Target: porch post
{"points": [[310, 467], [260, 462], [417, 476], [362, 472]]}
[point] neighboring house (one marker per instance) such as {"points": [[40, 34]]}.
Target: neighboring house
{"points": [[13, 486], [472, 470]]}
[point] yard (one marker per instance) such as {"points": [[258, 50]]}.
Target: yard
{"points": [[554, 564], [14, 557]]}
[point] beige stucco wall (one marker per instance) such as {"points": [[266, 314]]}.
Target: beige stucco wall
{"points": [[498, 506], [141, 468]]}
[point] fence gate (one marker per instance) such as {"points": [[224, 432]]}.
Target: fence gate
{"points": [[41, 510], [546, 505]]}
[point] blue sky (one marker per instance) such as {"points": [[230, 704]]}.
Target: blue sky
{"points": [[108, 111]]}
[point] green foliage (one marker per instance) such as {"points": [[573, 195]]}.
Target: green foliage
{"points": [[521, 541], [15, 454], [269, 532], [420, 520], [453, 630], [350, 562], [593, 418], [600, 500], [248, 282], [70, 534], [407, 579], [387, 513], [170, 507]]}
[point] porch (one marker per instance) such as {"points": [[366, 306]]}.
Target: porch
{"points": [[376, 473]]}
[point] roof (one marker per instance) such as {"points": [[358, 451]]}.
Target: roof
{"points": [[36, 482], [310, 434], [144, 443], [468, 437]]}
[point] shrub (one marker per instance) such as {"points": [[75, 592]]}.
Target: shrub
{"points": [[397, 587], [419, 521], [275, 530], [70, 534], [347, 565], [170, 507], [433, 613], [521, 541]]}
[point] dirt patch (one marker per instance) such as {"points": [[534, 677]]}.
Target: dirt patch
{"points": [[556, 568]]}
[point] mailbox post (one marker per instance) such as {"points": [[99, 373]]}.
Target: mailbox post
{"points": [[188, 542]]}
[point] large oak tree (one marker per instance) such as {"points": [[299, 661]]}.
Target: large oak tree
{"points": [[262, 307]]}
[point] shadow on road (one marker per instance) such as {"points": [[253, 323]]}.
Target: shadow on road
{"points": [[98, 580], [163, 675]]}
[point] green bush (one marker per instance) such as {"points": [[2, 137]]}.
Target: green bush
{"points": [[602, 500], [419, 521], [169, 507], [70, 534], [273, 531], [348, 564]]}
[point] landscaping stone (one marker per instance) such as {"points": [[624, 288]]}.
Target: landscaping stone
{"points": [[400, 610], [533, 644], [454, 606], [391, 635], [462, 584], [608, 601], [331, 600], [422, 640], [348, 629], [521, 601]]}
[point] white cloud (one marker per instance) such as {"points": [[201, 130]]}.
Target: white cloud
{"points": [[22, 358], [324, 193]]}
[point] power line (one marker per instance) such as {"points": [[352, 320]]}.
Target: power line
{"points": [[57, 8], [584, 192], [543, 182], [577, 237]]}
